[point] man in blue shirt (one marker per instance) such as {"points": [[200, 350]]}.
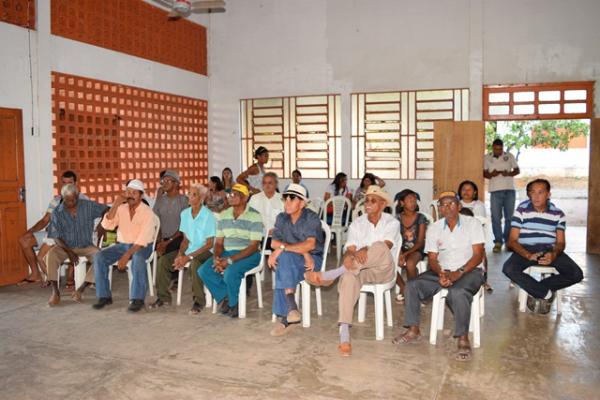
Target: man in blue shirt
{"points": [[537, 237], [298, 241], [71, 227]]}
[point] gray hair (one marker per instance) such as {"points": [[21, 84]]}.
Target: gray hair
{"points": [[69, 190], [272, 175], [203, 190]]}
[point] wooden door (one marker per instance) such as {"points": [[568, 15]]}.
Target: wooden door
{"points": [[13, 267], [593, 219], [458, 155]]}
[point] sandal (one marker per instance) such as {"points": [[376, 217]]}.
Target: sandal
{"points": [[195, 310], [406, 338], [464, 351], [69, 286], [399, 299], [488, 288], [28, 282]]}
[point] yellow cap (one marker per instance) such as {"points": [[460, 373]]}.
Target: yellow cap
{"points": [[243, 189]]}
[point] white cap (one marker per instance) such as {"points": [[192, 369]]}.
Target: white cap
{"points": [[136, 184]]}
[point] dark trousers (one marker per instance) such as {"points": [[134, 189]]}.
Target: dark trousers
{"points": [[569, 274], [459, 298]]}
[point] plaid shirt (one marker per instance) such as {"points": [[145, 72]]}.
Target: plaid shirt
{"points": [[75, 230]]}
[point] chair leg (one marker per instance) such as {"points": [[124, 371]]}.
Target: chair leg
{"points": [[259, 290], [482, 304], [559, 302], [214, 306], [475, 325], [338, 246], [362, 305], [305, 304], [319, 304], [297, 296], [435, 310], [208, 300], [242, 299], [150, 281], [388, 308], [378, 299], [110, 271], [179, 287], [80, 272], [154, 268], [273, 279], [522, 300]]}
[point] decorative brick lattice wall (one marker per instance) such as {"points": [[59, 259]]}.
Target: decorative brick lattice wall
{"points": [[108, 133], [133, 27], [18, 12]]}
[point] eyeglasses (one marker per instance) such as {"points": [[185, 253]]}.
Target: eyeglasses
{"points": [[371, 200], [446, 204], [290, 196]]}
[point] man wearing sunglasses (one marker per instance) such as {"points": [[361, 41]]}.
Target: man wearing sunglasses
{"points": [[372, 240], [454, 247], [298, 242]]}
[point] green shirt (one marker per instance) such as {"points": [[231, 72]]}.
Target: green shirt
{"points": [[238, 233]]}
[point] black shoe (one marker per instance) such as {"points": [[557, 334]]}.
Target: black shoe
{"points": [[233, 312], [224, 306], [532, 304], [546, 304], [158, 303], [102, 301], [135, 306]]}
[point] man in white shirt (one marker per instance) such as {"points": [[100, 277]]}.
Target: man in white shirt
{"points": [[500, 167], [269, 202], [373, 240], [454, 246]]}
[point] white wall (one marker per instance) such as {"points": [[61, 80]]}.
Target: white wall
{"points": [[266, 48], [53, 53]]}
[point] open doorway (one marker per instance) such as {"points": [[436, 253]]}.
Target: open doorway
{"points": [[557, 150]]}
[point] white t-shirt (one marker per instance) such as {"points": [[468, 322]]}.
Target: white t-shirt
{"points": [[267, 208], [331, 190], [476, 206], [363, 233], [455, 247], [506, 162]]}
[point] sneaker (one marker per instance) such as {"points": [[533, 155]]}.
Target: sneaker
{"points": [[294, 316], [159, 303], [223, 306], [497, 247], [135, 306], [233, 312], [102, 302], [345, 349]]}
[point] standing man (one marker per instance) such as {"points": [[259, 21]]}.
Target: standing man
{"points": [[168, 207], [239, 231], [136, 226], [500, 167], [369, 258], [454, 247], [537, 237], [71, 227], [298, 241]]}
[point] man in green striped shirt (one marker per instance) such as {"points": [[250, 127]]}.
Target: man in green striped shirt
{"points": [[239, 231]]}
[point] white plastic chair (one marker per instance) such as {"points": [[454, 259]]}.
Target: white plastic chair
{"points": [[256, 271], [437, 316], [80, 271], [543, 270], [207, 296], [339, 224], [359, 209], [149, 261], [381, 293], [434, 210]]}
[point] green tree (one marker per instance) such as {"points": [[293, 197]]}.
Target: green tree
{"points": [[555, 134]]}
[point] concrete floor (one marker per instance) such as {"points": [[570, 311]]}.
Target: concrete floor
{"points": [[74, 352]]}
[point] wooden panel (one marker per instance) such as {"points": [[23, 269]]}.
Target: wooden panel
{"points": [[459, 151], [18, 12], [593, 222], [12, 210], [109, 133], [133, 27]]}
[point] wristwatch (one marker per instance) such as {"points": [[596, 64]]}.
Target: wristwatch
{"points": [[229, 260], [462, 270], [282, 247]]}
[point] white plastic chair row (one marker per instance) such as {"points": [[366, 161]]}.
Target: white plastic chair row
{"points": [[543, 270], [437, 316], [339, 224]]}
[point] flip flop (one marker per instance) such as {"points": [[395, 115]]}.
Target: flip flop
{"points": [[27, 282], [406, 338], [464, 353]]}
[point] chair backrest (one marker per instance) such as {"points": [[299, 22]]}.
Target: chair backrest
{"points": [[264, 251], [359, 209], [316, 205], [156, 230], [340, 203], [433, 208], [327, 231]]}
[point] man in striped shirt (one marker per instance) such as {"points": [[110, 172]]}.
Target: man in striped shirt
{"points": [[239, 231], [537, 237]]}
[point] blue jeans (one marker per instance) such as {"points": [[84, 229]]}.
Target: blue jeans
{"points": [[289, 272], [502, 201], [104, 260], [228, 283]]}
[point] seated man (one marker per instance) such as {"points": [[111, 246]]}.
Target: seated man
{"points": [[269, 202], [135, 234], [198, 226], [239, 230], [30, 238], [168, 207], [537, 237], [71, 227], [372, 241], [454, 247], [298, 240]]}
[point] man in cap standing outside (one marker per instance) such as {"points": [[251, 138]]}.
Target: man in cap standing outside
{"points": [[298, 242], [369, 258], [135, 234], [454, 247]]}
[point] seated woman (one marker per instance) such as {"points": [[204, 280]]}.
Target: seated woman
{"points": [[367, 180], [469, 198], [253, 176], [216, 200], [339, 187], [227, 179], [412, 230]]}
